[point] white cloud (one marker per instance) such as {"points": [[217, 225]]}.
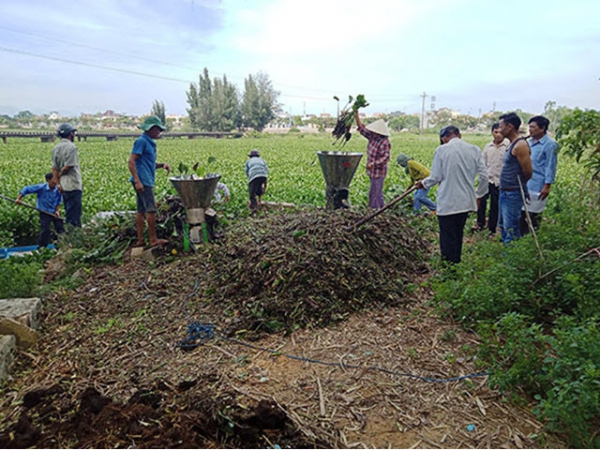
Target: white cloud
{"points": [[466, 52]]}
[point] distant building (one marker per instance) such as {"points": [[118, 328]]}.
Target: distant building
{"points": [[177, 119]]}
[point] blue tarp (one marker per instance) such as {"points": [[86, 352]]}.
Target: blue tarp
{"points": [[7, 252]]}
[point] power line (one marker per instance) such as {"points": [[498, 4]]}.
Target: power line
{"points": [[96, 66], [90, 47], [168, 64], [139, 58], [135, 72]]}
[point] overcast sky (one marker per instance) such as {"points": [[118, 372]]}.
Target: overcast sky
{"points": [[88, 56]]}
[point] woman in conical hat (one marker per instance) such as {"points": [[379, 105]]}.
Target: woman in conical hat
{"points": [[378, 155]]}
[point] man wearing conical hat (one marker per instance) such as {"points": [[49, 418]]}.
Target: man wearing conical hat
{"points": [[378, 155]]}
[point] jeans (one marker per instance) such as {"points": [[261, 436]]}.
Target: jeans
{"points": [[451, 236], [376, 193], [72, 201], [421, 199], [511, 203], [493, 194]]}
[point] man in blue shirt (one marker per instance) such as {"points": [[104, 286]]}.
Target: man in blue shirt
{"points": [[48, 203], [544, 158], [142, 165]]}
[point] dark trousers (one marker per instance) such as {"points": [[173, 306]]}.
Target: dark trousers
{"points": [[451, 236], [535, 221], [46, 222], [72, 200], [256, 189], [493, 194]]}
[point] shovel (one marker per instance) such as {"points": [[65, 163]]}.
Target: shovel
{"points": [[30, 207], [379, 211]]}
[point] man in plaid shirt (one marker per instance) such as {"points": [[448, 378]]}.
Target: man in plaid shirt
{"points": [[378, 155]]}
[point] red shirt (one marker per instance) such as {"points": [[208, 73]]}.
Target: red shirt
{"points": [[378, 152]]}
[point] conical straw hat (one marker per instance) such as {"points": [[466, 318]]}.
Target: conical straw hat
{"points": [[379, 127]]}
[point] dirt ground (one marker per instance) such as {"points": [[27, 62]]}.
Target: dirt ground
{"points": [[111, 375]]}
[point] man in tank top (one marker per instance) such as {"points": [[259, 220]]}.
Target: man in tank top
{"points": [[516, 171]]}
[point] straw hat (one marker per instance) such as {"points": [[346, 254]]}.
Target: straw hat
{"points": [[379, 127]]}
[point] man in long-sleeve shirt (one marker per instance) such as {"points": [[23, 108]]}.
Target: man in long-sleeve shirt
{"points": [[544, 159], [257, 172], [455, 166], [378, 155], [48, 203], [493, 155]]}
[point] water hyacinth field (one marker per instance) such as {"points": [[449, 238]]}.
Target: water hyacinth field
{"points": [[295, 175]]}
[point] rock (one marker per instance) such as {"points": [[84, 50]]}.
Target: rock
{"points": [[8, 346], [56, 266], [26, 337], [23, 310]]}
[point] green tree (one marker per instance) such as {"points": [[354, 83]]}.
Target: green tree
{"points": [[201, 105], [403, 122], [205, 112], [524, 116], [193, 101], [225, 106], [555, 114], [441, 118], [258, 101], [579, 135], [24, 115], [158, 109], [465, 121]]}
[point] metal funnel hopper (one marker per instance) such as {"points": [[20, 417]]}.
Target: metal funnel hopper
{"points": [[195, 193], [338, 169]]}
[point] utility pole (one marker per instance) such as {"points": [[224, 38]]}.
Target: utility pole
{"points": [[423, 96]]}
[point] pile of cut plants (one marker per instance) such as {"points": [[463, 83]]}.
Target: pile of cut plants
{"points": [[299, 269]]}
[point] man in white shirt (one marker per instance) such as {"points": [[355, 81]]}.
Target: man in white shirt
{"points": [[455, 166], [493, 154]]}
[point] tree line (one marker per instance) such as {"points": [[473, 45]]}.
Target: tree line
{"points": [[216, 105]]}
